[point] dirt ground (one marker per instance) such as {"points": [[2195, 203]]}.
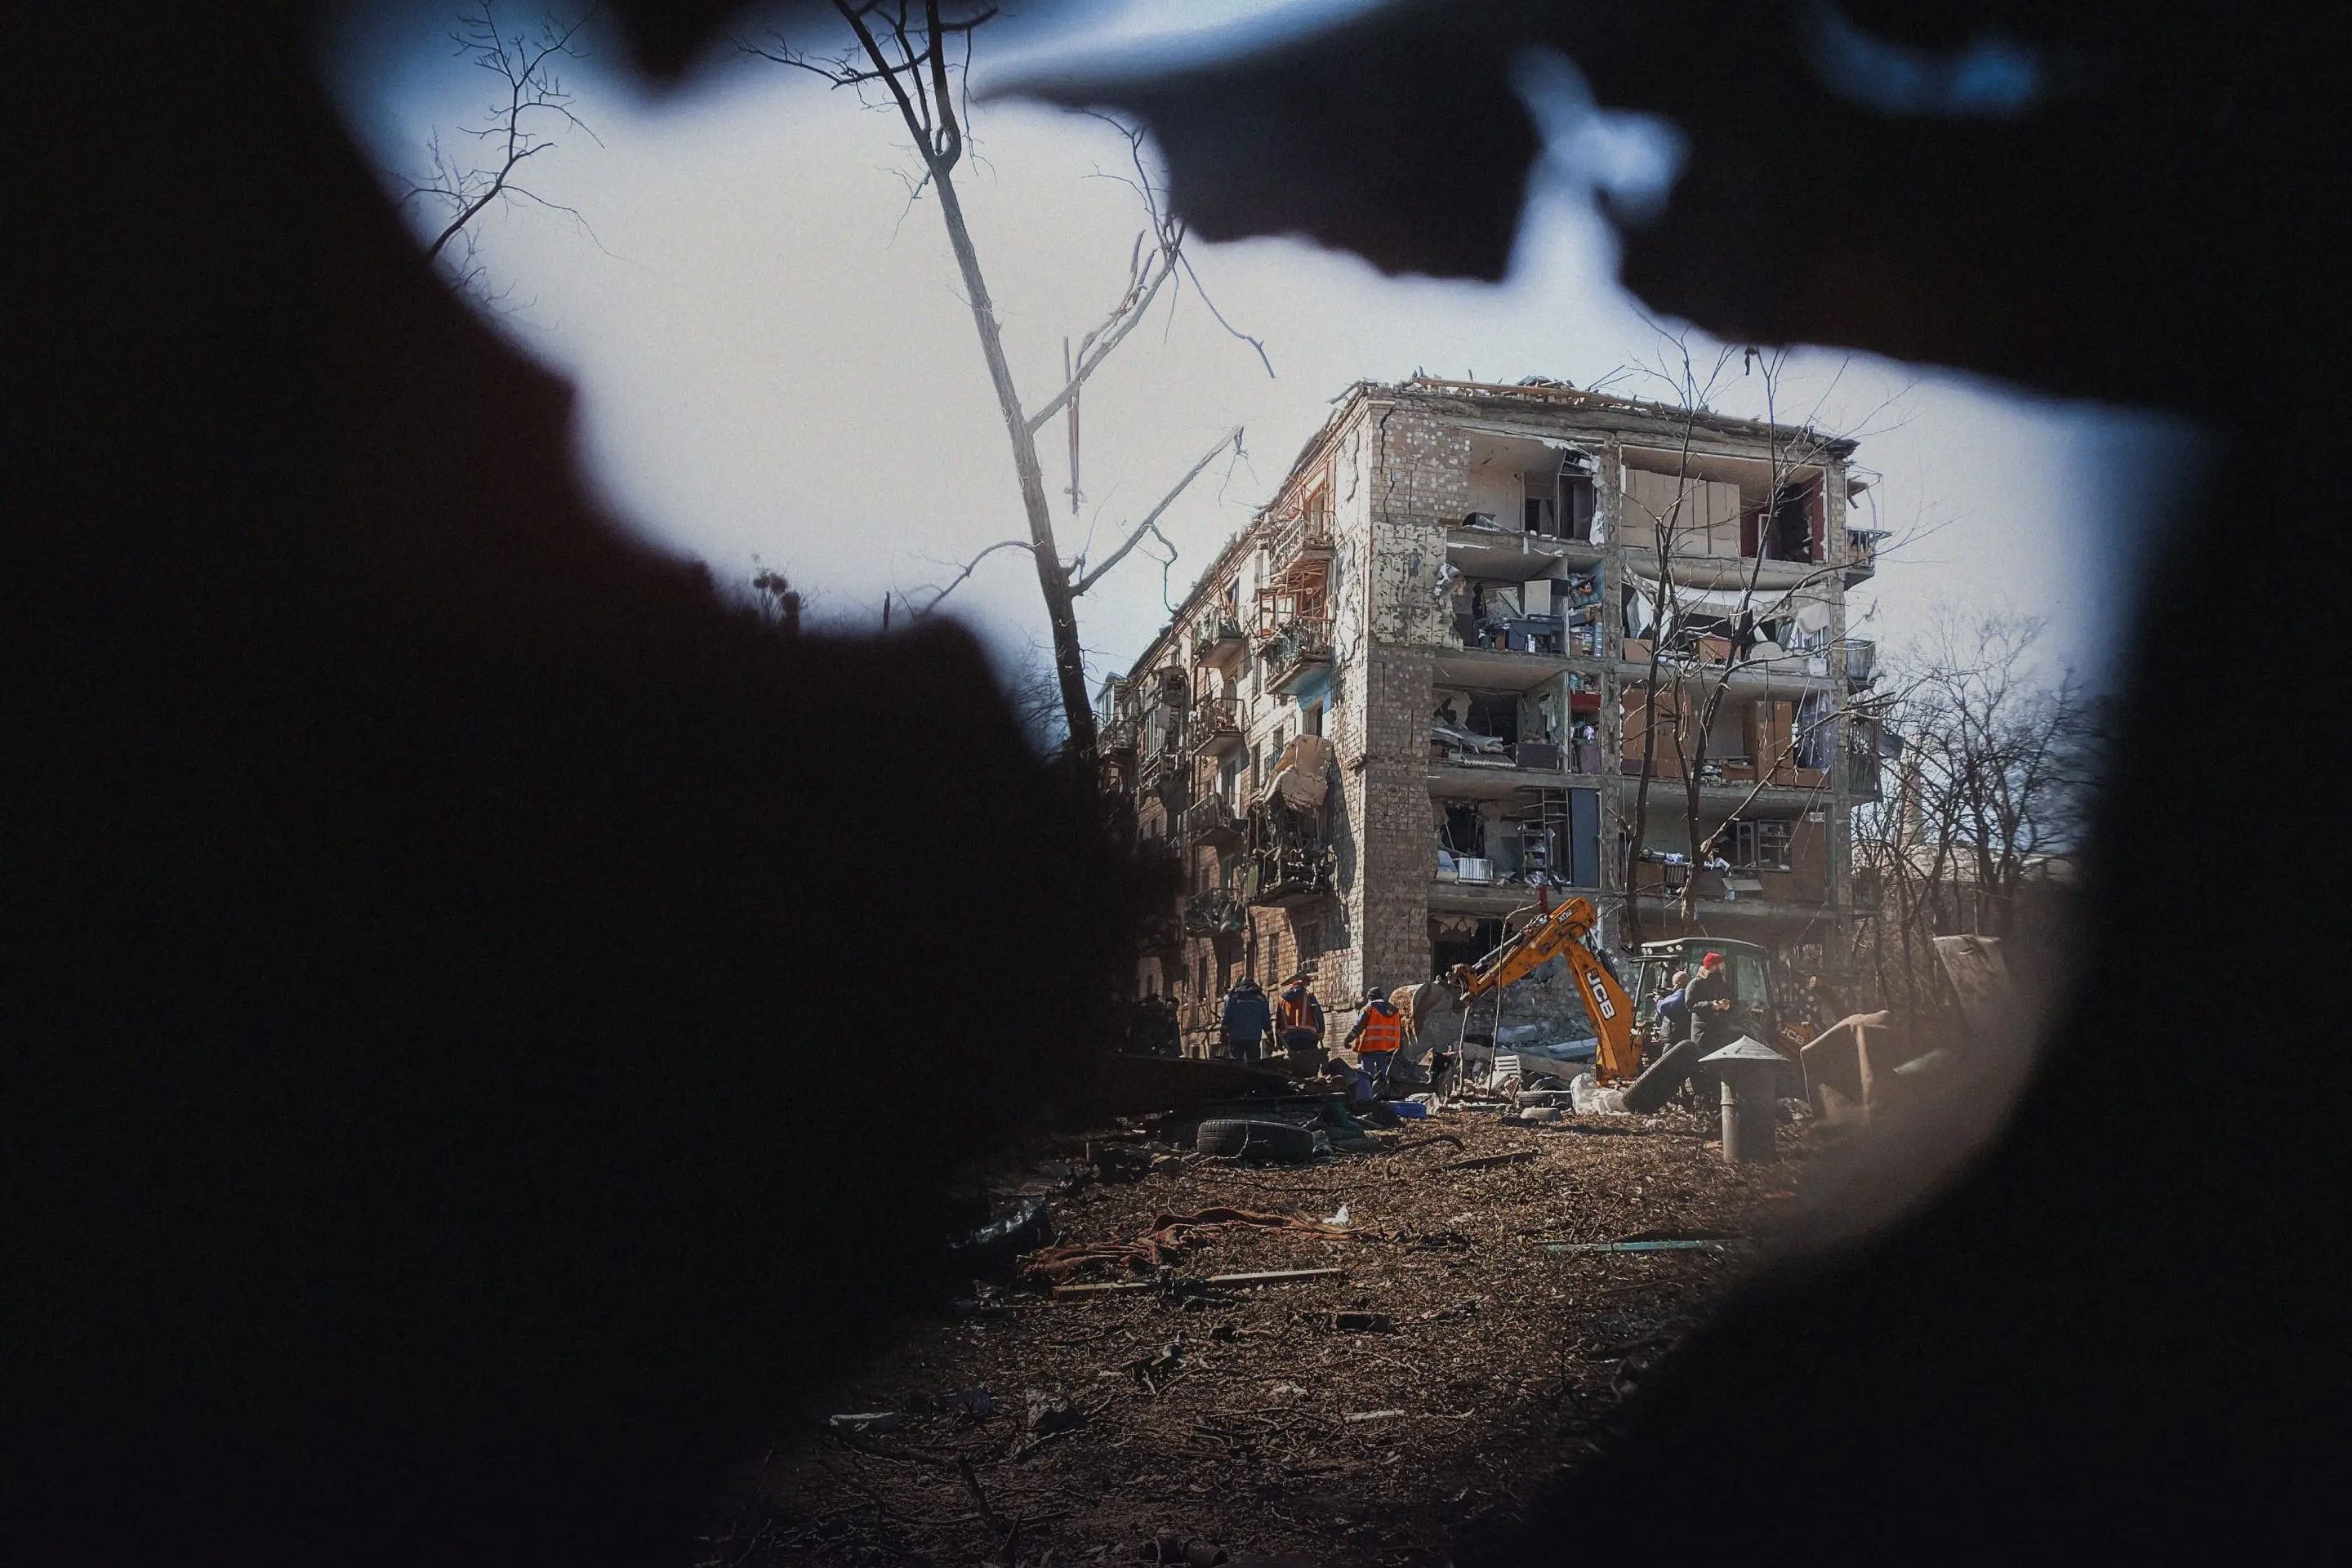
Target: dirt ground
{"points": [[1247, 1420]]}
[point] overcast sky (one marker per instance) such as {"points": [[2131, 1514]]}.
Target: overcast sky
{"points": [[776, 362]]}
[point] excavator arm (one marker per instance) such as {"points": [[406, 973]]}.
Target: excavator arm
{"points": [[1560, 934]]}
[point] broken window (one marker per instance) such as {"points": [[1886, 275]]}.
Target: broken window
{"points": [[1464, 831], [1761, 846], [1310, 718], [1458, 941], [1792, 537], [1495, 713]]}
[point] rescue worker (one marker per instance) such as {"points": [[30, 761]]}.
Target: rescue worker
{"points": [[1378, 1035], [1709, 998], [1245, 1019], [1299, 1021]]}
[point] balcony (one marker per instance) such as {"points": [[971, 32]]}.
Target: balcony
{"points": [[1722, 573], [1162, 934], [1215, 913], [1216, 728], [1510, 555], [1861, 663], [1507, 633], [1159, 854], [1861, 553], [1212, 821], [1219, 643], [1789, 792], [1286, 882], [1299, 543], [1862, 779], [1115, 737], [1294, 649]]}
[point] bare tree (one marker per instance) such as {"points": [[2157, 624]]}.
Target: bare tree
{"points": [[912, 55], [529, 105], [1988, 798]]}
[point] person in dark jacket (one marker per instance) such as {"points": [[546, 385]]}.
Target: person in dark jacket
{"points": [[1246, 1020], [1709, 998], [1674, 1009]]}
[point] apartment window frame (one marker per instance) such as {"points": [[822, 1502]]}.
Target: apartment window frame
{"points": [[1767, 844]]}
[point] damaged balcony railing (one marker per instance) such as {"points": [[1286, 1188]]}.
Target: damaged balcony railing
{"points": [[1212, 820], [1219, 642], [1215, 726], [1216, 913], [1163, 933], [1289, 861], [1294, 646], [1158, 854], [1116, 736], [1861, 553], [1295, 539], [1862, 780]]}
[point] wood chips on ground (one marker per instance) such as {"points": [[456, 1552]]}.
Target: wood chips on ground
{"points": [[1247, 1420]]}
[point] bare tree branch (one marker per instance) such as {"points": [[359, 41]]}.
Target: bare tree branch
{"points": [[969, 568], [532, 92], [920, 54], [1232, 438]]}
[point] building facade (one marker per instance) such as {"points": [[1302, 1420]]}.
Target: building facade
{"points": [[1488, 645]]}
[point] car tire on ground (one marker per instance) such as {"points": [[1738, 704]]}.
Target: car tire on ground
{"points": [[1250, 1140]]}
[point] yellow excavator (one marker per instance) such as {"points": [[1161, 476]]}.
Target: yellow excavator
{"points": [[1617, 1058]]}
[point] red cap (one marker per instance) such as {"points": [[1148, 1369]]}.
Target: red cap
{"points": [[1710, 961]]}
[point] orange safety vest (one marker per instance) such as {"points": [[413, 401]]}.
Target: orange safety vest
{"points": [[1383, 1031], [1289, 1014]]}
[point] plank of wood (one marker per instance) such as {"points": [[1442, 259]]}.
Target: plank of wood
{"points": [[1636, 1246], [1261, 1276], [1487, 1161]]}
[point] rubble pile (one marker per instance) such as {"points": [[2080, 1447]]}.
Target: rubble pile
{"points": [[1372, 1358]]}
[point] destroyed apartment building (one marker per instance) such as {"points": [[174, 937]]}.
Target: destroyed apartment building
{"points": [[1421, 693]]}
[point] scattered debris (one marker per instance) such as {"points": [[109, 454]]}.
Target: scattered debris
{"points": [[1119, 1162], [1411, 1143], [1488, 1162], [1221, 1364], [868, 1421], [1166, 1238], [1049, 1413], [991, 1249], [1692, 1245]]}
